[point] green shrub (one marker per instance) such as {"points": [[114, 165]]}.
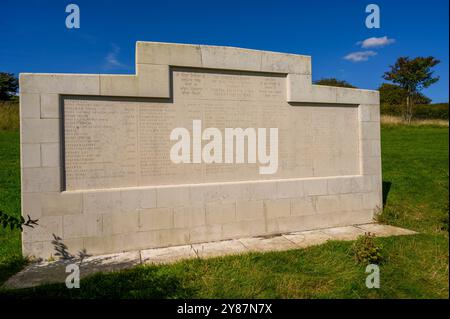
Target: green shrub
{"points": [[437, 111], [9, 116], [366, 250]]}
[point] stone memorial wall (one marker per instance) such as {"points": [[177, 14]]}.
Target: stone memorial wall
{"points": [[265, 151]]}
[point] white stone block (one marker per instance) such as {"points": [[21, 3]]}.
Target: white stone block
{"points": [[50, 106], [324, 94], [148, 86], [299, 88], [371, 165], [120, 223], [243, 229], [262, 190], [188, 217], [340, 185], [362, 184], [351, 202], [249, 210], [88, 84], [303, 206], [119, 85], [315, 186], [172, 196], [168, 54], [372, 201], [370, 131], [40, 131], [130, 200], [156, 218], [82, 225], [357, 96], [202, 234], [51, 155], [371, 148], [369, 112], [219, 213], [216, 57], [290, 189], [60, 204], [31, 155], [41, 180], [147, 198], [277, 208], [201, 194], [31, 205], [44, 231], [98, 202], [285, 63], [30, 106], [328, 204]]}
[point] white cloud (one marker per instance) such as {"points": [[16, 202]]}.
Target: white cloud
{"points": [[112, 59], [376, 42], [360, 56]]}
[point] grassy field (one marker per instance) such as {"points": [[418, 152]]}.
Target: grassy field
{"points": [[415, 170]]}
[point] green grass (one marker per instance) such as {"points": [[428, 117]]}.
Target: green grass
{"points": [[10, 252], [415, 162]]}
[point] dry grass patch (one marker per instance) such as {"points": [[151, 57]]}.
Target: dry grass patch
{"points": [[397, 120], [9, 116]]}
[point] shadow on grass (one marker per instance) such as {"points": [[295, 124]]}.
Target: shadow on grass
{"points": [[386, 189], [142, 282], [11, 267]]}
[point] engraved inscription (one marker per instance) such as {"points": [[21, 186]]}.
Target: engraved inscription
{"points": [[111, 143]]}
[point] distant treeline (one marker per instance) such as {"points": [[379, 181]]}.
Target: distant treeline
{"points": [[437, 111]]}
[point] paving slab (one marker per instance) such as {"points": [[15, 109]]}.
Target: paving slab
{"points": [[55, 272], [385, 230], [308, 238], [344, 233], [220, 248], [167, 255], [275, 243]]}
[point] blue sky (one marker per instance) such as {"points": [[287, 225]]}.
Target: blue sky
{"points": [[34, 37]]}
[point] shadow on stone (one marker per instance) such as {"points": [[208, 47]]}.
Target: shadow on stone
{"points": [[55, 272], [386, 188], [142, 282]]}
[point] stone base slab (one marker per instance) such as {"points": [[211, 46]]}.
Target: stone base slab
{"points": [[54, 272]]}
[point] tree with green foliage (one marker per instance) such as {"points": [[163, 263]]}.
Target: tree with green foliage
{"points": [[8, 85], [334, 82], [413, 75], [392, 94]]}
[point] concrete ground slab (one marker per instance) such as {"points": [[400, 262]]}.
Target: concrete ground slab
{"points": [[167, 255], [275, 243], [343, 233], [54, 272], [220, 248], [308, 238], [385, 230]]}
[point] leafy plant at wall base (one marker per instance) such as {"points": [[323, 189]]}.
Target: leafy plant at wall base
{"points": [[366, 250], [16, 222]]}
